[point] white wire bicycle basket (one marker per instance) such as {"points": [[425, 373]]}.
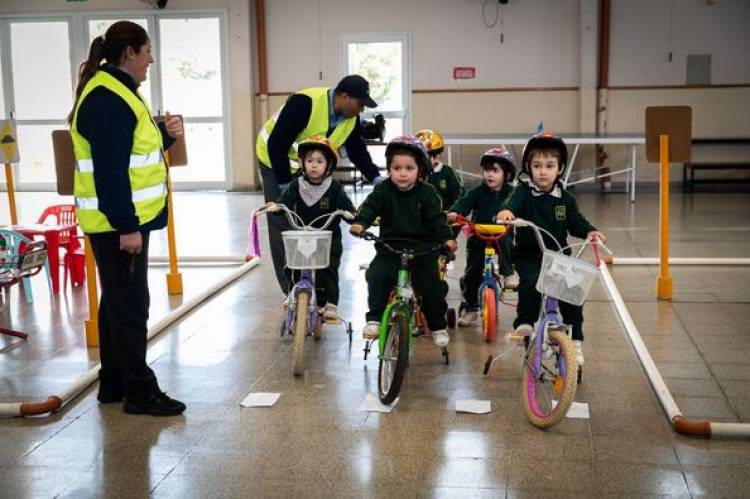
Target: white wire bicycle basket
{"points": [[566, 278], [307, 249]]}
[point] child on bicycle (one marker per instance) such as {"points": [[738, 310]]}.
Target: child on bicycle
{"points": [[408, 208], [315, 193], [541, 198], [441, 176], [484, 201]]}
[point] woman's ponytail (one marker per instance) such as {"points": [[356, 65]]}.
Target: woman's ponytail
{"points": [[87, 70]]}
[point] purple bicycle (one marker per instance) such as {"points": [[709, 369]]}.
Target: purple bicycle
{"points": [[550, 373], [306, 248]]}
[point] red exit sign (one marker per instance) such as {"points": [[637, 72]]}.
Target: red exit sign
{"points": [[464, 73]]}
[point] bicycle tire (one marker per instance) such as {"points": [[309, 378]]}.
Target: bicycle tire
{"points": [[543, 418], [398, 337], [451, 318], [300, 331], [489, 314]]}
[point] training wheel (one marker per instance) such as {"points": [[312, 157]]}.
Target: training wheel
{"points": [[451, 318], [367, 348], [487, 365]]}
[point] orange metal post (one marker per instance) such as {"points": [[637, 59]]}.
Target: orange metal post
{"points": [[92, 323], [11, 193], [664, 281], [174, 277]]}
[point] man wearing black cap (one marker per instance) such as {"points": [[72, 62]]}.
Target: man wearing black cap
{"points": [[333, 112]]}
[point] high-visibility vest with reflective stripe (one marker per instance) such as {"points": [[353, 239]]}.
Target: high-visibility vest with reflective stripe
{"points": [[317, 124], [147, 171]]}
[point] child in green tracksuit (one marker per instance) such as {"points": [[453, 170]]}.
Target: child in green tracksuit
{"points": [[408, 208], [311, 195], [484, 201], [541, 198], [442, 177]]}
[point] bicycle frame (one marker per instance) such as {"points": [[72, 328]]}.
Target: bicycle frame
{"points": [[490, 241], [549, 316], [402, 302], [489, 275], [306, 282]]}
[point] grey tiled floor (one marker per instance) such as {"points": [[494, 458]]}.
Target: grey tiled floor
{"points": [[315, 442]]}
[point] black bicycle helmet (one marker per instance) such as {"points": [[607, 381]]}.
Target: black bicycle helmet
{"points": [[414, 147], [502, 156], [545, 140]]}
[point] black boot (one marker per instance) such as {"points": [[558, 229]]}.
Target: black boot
{"points": [[157, 404]]}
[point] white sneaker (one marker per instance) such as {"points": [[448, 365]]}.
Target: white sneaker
{"points": [[330, 313], [511, 281], [467, 317], [370, 332], [441, 338], [579, 351], [524, 330]]}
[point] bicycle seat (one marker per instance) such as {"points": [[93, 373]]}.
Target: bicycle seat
{"points": [[490, 228]]}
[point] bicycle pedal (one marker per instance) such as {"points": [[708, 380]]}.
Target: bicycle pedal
{"points": [[513, 337]]}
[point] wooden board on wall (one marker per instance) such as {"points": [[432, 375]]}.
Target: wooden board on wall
{"points": [[178, 151], [675, 121]]}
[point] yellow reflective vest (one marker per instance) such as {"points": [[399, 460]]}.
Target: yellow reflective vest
{"points": [[317, 124], [147, 171]]}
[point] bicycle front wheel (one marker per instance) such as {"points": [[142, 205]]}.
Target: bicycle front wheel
{"points": [[548, 394], [300, 331], [395, 357], [489, 314]]}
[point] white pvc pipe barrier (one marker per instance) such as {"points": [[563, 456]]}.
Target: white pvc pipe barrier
{"points": [[54, 402], [199, 259], [680, 423], [617, 260]]}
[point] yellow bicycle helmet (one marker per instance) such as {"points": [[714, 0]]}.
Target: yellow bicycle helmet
{"points": [[322, 144], [432, 141]]}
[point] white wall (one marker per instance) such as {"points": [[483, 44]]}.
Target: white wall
{"points": [[645, 31], [303, 39]]}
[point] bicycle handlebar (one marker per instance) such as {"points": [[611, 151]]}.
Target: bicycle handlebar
{"points": [[440, 248], [463, 221], [296, 222], [253, 246], [594, 242]]}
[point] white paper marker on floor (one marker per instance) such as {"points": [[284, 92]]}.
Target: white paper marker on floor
{"points": [[373, 404], [473, 406], [578, 410], [260, 399]]}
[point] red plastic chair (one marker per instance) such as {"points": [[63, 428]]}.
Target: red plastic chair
{"points": [[74, 262]]}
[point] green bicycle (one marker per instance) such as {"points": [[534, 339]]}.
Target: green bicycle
{"points": [[402, 320]]}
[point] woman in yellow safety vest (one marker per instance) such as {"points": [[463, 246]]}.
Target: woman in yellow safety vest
{"points": [[120, 196]]}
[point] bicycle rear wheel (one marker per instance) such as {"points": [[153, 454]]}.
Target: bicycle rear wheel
{"points": [[395, 357], [489, 314], [548, 395], [300, 331]]}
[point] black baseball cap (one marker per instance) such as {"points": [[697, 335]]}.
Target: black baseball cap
{"points": [[357, 87]]}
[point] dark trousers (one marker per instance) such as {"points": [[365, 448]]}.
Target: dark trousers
{"points": [[326, 280], [425, 278], [123, 314], [529, 299], [474, 272], [276, 224]]}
